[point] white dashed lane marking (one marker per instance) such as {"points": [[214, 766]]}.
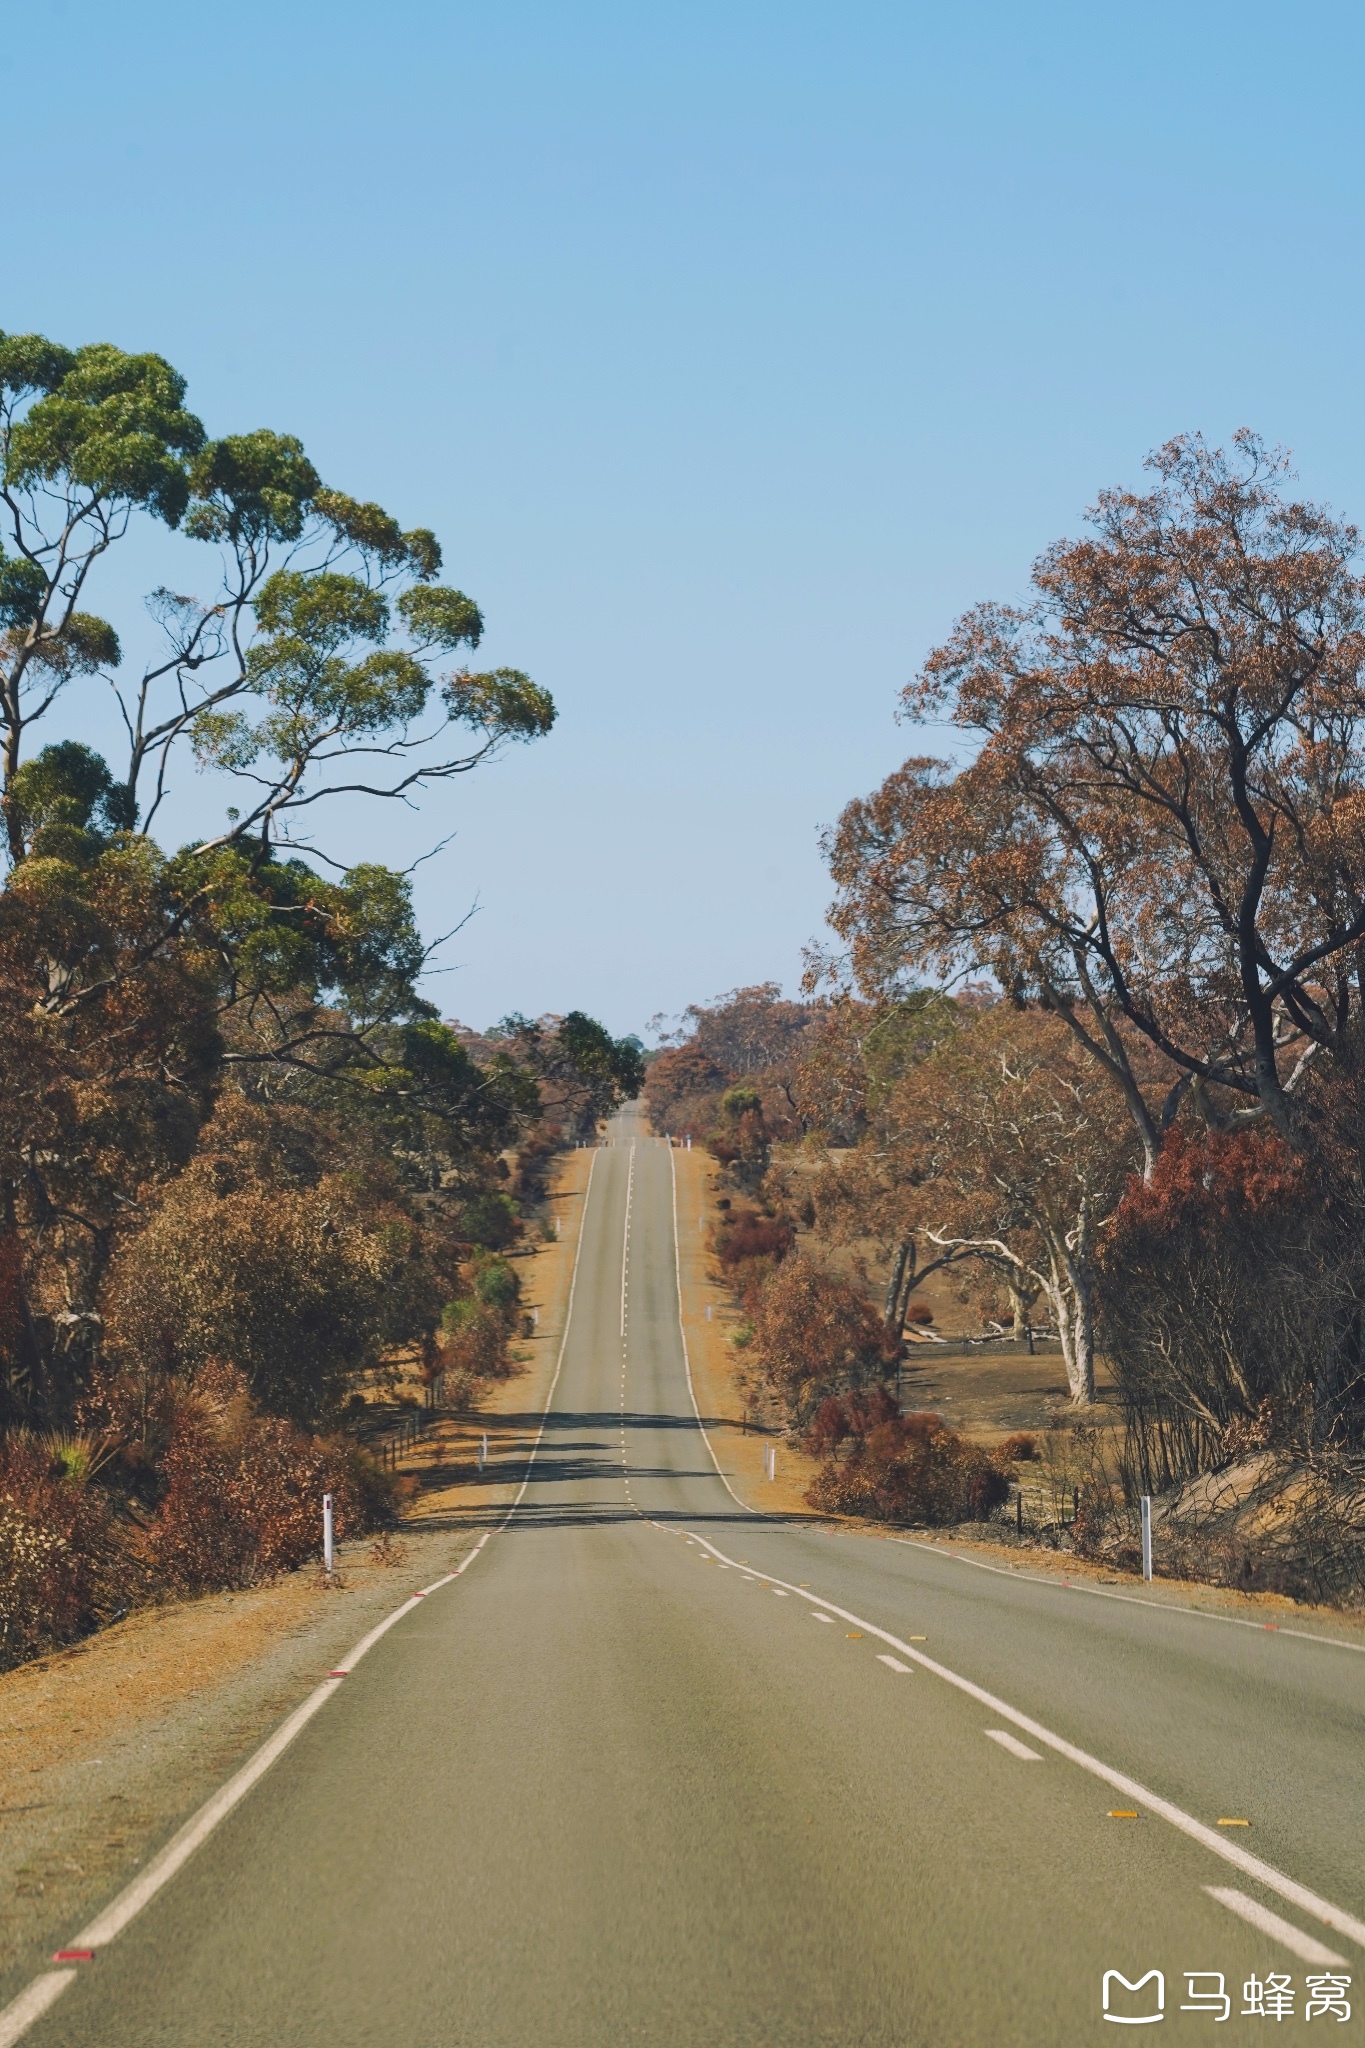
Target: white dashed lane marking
{"points": [[894, 1664], [1295, 1894]]}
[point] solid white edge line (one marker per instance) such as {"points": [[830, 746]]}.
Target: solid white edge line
{"points": [[687, 1362], [1250, 1866], [200, 1825], [32, 2002], [563, 1347], [1265, 1922], [1013, 1745], [1004, 1571], [106, 1925]]}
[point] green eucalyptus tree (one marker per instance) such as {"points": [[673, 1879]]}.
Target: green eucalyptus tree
{"points": [[322, 660]]}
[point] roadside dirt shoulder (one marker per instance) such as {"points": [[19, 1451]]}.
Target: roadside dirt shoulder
{"points": [[710, 1350], [105, 1748], [454, 1492]]}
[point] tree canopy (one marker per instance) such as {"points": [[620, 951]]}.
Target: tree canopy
{"points": [[1159, 833], [322, 657]]}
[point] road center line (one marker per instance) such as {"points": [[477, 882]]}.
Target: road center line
{"points": [[1164, 1809], [625, 1238]]}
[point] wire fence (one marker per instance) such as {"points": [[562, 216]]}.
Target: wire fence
{"points": [[395, 1443]]}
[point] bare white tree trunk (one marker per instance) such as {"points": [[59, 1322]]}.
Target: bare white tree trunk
{"points": [[1066, 1284], [1074, 1298], [1076, 1328]]}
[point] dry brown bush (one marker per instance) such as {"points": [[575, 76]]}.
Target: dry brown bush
{"points": [[243, 1497], [903, 1468], [63, 1567]]}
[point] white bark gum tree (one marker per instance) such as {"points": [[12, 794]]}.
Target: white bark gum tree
{"points": [[1064, 1276], [1019, 1152]]}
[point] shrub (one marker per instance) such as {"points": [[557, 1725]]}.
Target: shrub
{"points": [[1019, 1449], [919, 1312], [855, 1415], [62, 1567], [475, 1340], [290, 1282], [491, 1220], [35, 1578], [496, 1283], [243, 1497], [898, 1468], [747, 1235]]}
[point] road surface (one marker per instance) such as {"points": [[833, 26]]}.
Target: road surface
{"points": [[655, 1770]]}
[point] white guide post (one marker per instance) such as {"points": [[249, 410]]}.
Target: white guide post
{"points": [[1146, 1535], [328, 1552]]}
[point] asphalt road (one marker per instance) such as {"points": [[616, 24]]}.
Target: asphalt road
{"points": [[643, 1774]]}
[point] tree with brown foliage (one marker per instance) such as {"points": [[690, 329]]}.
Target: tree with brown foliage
{"points": [[1224, 1306], [683, 1087], [261, 1254], [102, 1098], [815, 1335], [1161, 831], [751, 1038], [846, 1081]]}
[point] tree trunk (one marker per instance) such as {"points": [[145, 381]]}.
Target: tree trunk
{"points": [[1076, 1328], [898, 1288], [1021, 1301]]}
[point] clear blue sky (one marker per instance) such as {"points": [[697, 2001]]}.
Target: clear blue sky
{"points": [[731, 349]]}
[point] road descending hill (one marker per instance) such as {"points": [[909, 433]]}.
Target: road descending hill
{"points": [[657, 1770]]}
